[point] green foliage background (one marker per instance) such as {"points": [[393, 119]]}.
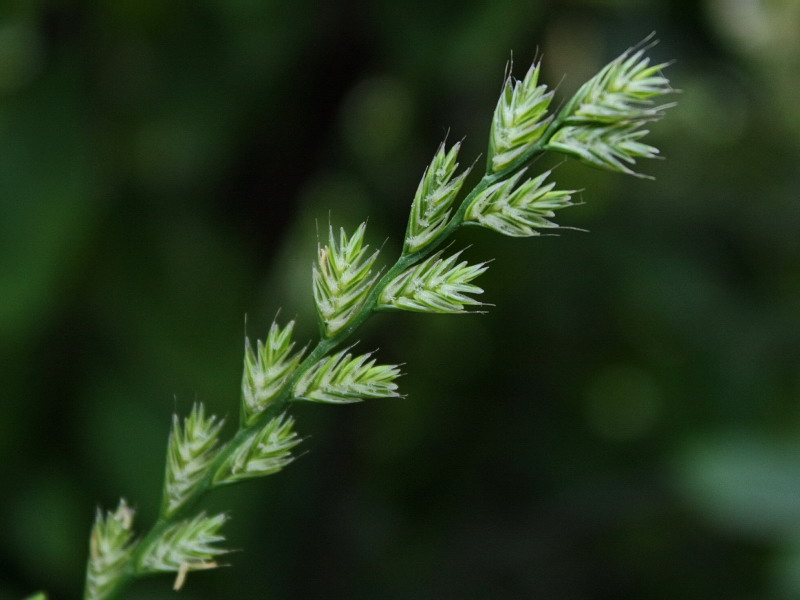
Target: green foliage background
{"points": [[624, 424]]}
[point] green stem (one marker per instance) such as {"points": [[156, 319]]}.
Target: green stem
{"points": [[323, 347]]}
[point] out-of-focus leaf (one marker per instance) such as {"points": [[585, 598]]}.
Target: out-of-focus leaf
{"points": [[746, 483]]}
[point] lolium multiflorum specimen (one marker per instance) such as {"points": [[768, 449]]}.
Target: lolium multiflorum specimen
{"points": [[602, 125]]}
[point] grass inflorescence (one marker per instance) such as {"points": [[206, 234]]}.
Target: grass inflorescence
{"points": [[602, 125]]}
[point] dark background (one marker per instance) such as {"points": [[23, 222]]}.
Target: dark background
{"points": [[623, 424]]}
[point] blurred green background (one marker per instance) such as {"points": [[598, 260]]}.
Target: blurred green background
{"points": [[624, 424]]}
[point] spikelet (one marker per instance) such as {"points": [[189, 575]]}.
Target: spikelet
{"points": [[110, 548], [520, 119], [266, 370], [436, 285], [623, 90], [186, 546], [518, 210], [431, 209], [190, 450], [342, 379], [610, 147], [342, 279], [265, 452]]}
